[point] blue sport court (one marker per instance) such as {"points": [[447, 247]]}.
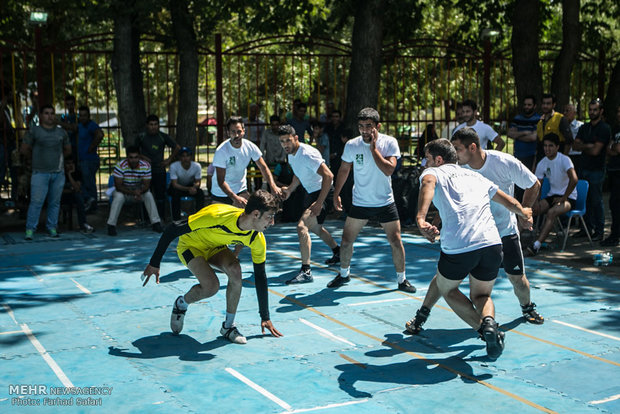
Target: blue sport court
{"points": [[79, 333]]}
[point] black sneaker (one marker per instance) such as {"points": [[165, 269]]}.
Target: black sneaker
{"points": [[489, 330], [157, 227], [406, 287], [531, 315], [338, 281], [333, 260], [112, 230], [611, 241], [414, 325], [533, 251], [304, 276]]}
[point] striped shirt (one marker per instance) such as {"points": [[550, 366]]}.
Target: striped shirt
{"points": [[132, 178]]}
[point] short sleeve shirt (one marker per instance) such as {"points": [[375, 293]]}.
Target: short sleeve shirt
{"points": [[555, 171], [235, 161], [463, 198], [217, 225], [153, 147], [505, 171], [591, 134], [484, 131], [47, 148], [305, 164], [86, 135], [371, 187], [183, 176], [132, 178]]}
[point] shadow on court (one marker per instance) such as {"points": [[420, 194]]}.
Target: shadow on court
{"points": [[324, 297]]}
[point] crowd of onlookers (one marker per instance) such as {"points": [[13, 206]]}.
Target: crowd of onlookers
{"points": [[62, 154]]}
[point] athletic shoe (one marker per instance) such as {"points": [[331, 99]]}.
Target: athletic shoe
{"points": [[533, 251], [29, 235], [233, 335], [112, 230], [414, 325], [338, 281], [489, 330], [52, 233], [531, 315], [333, 260], [611, 241], [176, 318], [406, 287], [157, 227], [87, 228], [304, 276]]}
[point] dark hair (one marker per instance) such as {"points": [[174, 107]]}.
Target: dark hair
{"points": [[286, 129], [471, 103], [551, 137], [46, 106], [69, 158], [301, 105], [532, 97], [234, 120], [549, 95], [369, 113], [597, 101], [442, 147], [262, 201], [84, 108], [467, 136], [132, 149], [69, 97], [274, 118], [152, 117], [336, 111]]}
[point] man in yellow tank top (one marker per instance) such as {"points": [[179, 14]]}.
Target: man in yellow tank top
{"points": [[202, 247], [552, 122]]}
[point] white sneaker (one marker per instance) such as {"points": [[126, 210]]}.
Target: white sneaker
{"points": [[176, 318], [233, 335]]}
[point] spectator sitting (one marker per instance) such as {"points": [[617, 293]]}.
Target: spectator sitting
{"points": [[72, 194], [132, 178], [559, 170], [185, 177]]}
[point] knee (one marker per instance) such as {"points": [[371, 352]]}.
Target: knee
{"points": [[346, 243], [208, 289], [302, 228], [233, 271], [395, 240]]}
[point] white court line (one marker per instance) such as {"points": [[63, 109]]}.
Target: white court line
{"points": [[258, 388], [10, 332], [612, 398], [377, 301], [326, 332], [325, 407], [46, 356], [82, 288], [587, 330], [10, 312]]}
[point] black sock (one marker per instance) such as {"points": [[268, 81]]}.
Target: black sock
{"points": [[305, 267], [336, 250]]}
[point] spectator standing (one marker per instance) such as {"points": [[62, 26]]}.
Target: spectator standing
{"points": [[592, 140], [613, 173], [254, 124], [321, 139], [300, 121], [47, 144], [69, 122], [72, 193], [485, 132], [570, 113], [152, 143], [185, 177], [552, 122], [89, 138], [273, 153]]}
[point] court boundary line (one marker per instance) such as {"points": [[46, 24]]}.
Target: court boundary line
{"points": [[615, 338], [258, 389]]}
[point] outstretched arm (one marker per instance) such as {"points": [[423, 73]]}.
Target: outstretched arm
{"points": [[173, 230], [260, 280]]}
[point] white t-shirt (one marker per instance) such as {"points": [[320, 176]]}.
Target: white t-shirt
{"points": [[371, 188], [484, 131], [463, 197], [183, 176], [556, 171], [236, 161], [305, 164], [505, 171]]}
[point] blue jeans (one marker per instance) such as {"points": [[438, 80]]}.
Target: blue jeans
{"points": [[89, 177], [42, 186], [595, 214]]}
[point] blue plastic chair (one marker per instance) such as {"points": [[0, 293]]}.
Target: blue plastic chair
{"points": [[183, 198], [579, 211]]}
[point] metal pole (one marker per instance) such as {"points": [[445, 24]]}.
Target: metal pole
{"points": [[486, 105], [219, 94]]}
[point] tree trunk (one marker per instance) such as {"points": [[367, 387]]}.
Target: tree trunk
{"points": [[128, 76], [187, 114], [525, 61], [365, 70], [563, 65], [612, 100]]}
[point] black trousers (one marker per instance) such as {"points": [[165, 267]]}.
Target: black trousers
{"points": [[176, 195]]}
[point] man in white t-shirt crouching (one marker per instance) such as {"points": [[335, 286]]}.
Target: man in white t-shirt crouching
{"points": [[185, 178], [372, 156], [472, 245]]}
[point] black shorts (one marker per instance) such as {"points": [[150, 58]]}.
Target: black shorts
{"points": [[549, 201], [513, 255], [384, 214], [311, 198], [483, 264]]}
